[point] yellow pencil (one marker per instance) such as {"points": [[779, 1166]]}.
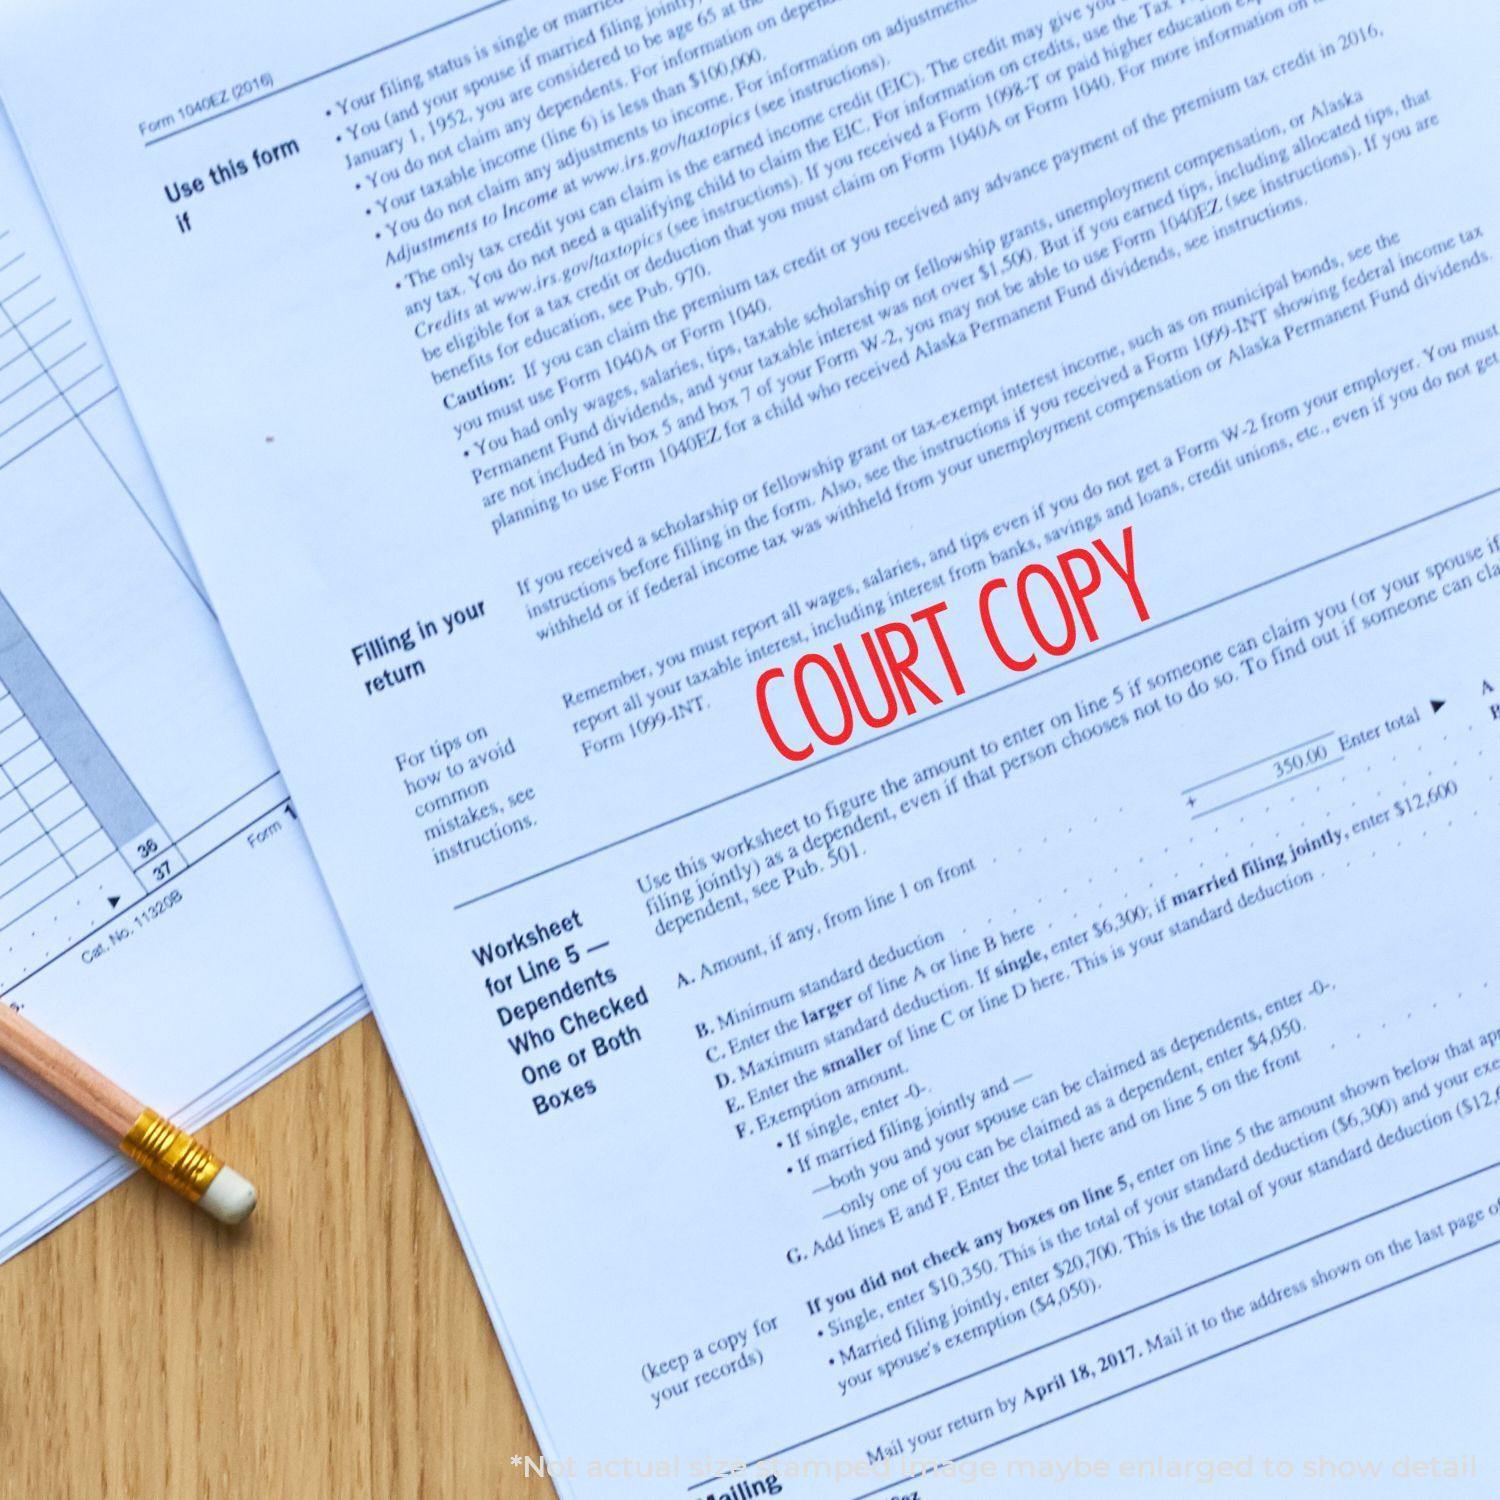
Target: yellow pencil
{"points": [[170, 1155]]}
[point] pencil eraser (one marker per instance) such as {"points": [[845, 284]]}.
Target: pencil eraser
{"points": [[229, 1198]]}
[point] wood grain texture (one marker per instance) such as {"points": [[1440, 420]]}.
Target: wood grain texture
{"points": [[335, 1347]]}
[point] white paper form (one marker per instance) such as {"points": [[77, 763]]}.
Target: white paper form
{"points": [[1095, 1063], [159, 910]]}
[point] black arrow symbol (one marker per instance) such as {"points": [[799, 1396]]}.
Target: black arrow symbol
{"points": [[1438, 704], [114, 901]]}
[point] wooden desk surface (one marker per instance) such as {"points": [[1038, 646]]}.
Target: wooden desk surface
{"points": [[336, 1347]]}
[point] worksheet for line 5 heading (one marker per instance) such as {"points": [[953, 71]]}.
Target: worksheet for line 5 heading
{"points": [[159, 910], [883, 618]]}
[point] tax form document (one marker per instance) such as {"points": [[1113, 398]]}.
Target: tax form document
{"points": [[883, 618], [159, 910]]}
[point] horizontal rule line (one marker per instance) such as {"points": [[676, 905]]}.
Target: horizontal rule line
{"points": [[337, 67]]}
